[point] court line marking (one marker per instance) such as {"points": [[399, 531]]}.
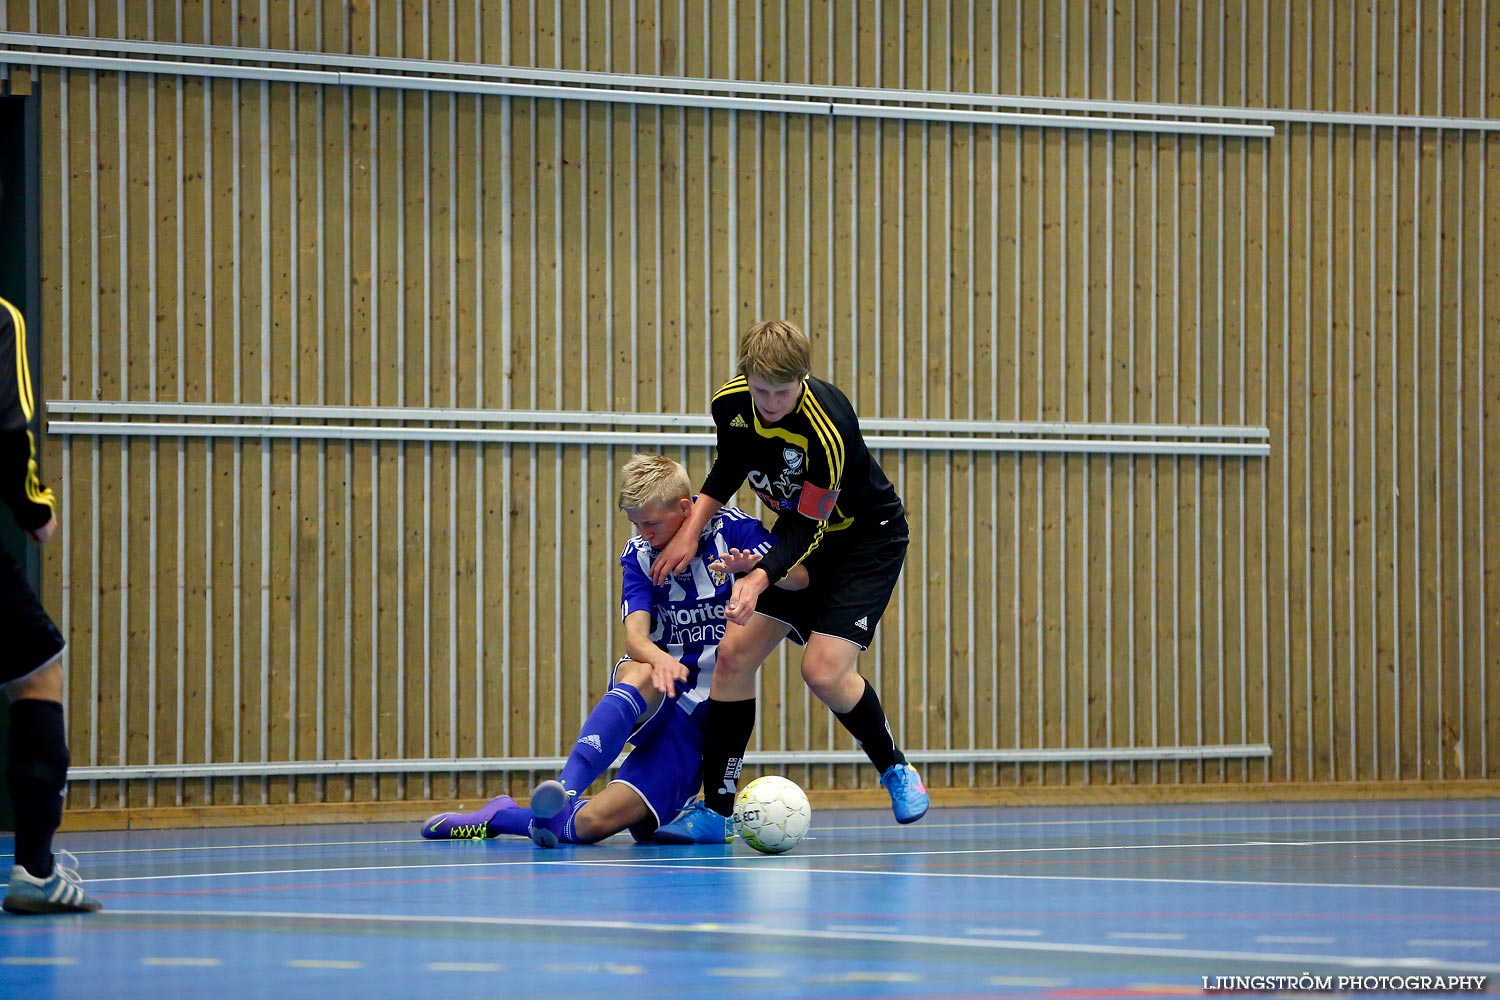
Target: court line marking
{"points": [[865, 977], [38, 960], [1087, 878], [195, 963], [591, 968], [1161, 820], [739, 862], [323, 963], [464, 967], [1447, 943], [805, 933], [998, 824], [1146, 936]]}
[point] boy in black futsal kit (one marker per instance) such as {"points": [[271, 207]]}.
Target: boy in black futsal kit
{"points": [[797, 440], [31, 664]]}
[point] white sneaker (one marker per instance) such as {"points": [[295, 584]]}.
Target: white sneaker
{"points": [[61, 892]]}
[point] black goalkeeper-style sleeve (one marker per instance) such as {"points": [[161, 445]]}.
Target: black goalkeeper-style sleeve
{"points": [[20, 488], [730, 463]]}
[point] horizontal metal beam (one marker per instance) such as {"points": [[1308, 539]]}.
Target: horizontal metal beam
{"points": [[349, 432], [415, 414], [408, 414], [1063, 105], [269, 769], [448, 85], [1033, 118], [418, 74]]}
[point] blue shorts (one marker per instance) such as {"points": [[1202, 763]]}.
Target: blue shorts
{"points": [[665, 768]]}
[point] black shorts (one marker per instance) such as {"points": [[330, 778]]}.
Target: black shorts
{"points": [[851, 581], [31, 640]]}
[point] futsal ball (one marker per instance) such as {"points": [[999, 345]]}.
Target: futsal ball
{"points": [[772, 814]]}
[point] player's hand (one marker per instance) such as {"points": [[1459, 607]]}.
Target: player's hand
{"points": [[736, 561], [744, 597], [664, 676], [680, 551], [45, 532]]}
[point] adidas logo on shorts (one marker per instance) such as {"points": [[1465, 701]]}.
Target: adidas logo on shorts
{"points": [[863, 623]]}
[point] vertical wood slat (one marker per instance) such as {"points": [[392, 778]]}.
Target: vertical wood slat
{"points": [[1256, 305]]}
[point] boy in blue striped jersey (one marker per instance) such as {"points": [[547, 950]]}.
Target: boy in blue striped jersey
{"points": [[672, 631]]}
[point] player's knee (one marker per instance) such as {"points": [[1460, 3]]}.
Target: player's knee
{"points": [[42, 684], [823, 674], [734, 660], [733, 672], [634, 673]]}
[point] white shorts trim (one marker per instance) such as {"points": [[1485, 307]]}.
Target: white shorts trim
{"points": [[791, 629], [861, 648], [36, 670], [640, 795]]}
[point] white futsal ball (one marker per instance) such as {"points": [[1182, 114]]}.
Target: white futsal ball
{"points": [[772, 814]]}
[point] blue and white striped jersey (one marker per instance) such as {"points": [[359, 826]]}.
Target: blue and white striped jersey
{"points": [[687, 612]]}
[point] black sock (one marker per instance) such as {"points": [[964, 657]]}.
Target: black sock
{"points": [[867, 722], [38, 770], [729, 726]]}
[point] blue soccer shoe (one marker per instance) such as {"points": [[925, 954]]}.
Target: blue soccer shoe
{"points": [[697, 824], [550, 812], [909, 798]]}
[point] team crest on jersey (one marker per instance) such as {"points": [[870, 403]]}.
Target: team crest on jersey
{"points": [[781, 492], [719, 578]]}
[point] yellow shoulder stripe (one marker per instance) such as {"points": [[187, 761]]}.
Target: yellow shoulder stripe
{"points": [[35, 492], [833, 441], [23, 366], [734, 385]]}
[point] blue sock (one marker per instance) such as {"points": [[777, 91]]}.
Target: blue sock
{"points": [[511, 821], [602, 737]]}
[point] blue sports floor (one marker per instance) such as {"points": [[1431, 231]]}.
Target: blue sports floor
{"points": [[1033, 902]]}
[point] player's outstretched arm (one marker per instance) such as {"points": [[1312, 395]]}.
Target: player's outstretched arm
{"points": [[683, 547], [745, 596], [736, 561], [665, 671], [741, 561]]}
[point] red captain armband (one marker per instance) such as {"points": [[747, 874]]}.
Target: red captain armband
{"points": [[816, 502]]}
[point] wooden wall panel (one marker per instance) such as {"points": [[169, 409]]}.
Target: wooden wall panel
{"points": [[237, 241]]}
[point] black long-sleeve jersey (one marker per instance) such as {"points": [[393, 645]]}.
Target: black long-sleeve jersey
{"points": [[22, 492], [812, 467]]}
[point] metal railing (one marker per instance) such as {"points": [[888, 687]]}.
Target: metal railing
{"points": [[1055, 437]]}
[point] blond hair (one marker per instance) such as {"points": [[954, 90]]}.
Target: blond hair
{"points": [[776, 351], [652, 479]]}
